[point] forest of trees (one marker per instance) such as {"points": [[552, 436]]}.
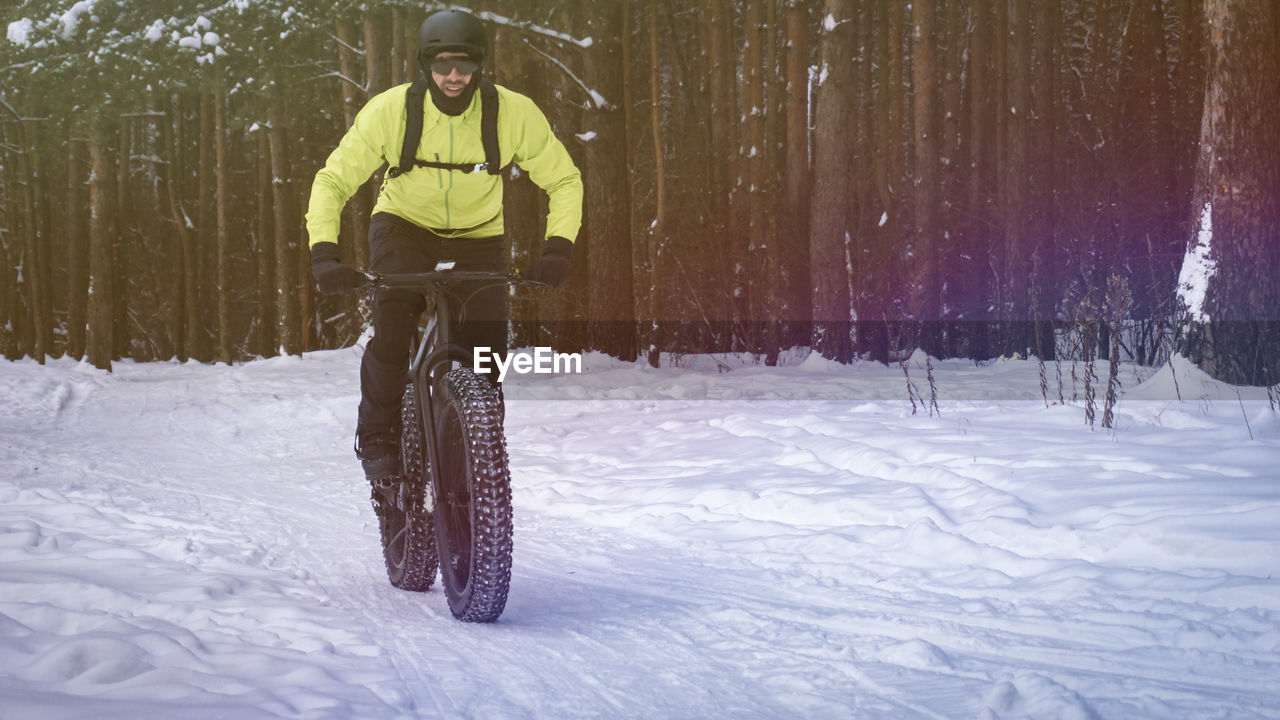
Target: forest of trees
{"points": [[864, 177]]}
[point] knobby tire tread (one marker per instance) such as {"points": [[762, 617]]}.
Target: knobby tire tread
{"points": [[408, 534], [477, 404]]}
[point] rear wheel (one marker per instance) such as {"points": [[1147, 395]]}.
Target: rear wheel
{"points": [[473, 501], [404, 509]]}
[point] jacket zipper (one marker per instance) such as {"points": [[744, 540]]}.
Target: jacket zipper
{"points": [[440, 180], [448, 210]]}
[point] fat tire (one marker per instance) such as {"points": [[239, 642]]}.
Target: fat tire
{"points": [[406, 523], [473, 500]]}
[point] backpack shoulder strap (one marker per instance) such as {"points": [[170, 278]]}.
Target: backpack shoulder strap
{"points": [[413, 107], [414, 104], [489, 126]]}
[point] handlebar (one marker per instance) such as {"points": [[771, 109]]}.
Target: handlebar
{"points": [[440, 279]]}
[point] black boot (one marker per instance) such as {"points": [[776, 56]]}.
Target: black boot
{"points": [[378, 430], [379, 454]]}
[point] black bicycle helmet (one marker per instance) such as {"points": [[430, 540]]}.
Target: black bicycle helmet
{"points": [[455, 31]]}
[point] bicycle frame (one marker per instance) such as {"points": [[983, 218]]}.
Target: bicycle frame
{"points": [[453, 514], [433, 352]]}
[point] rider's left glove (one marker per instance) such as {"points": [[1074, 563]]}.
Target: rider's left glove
{"points": [[553, 267], [332, 276]]}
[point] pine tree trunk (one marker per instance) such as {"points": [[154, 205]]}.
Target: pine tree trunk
{"points": [[1042, 229], [409, 37], [399, 52], [797, 162], [977, 292], [1017, 243], [33, 274], [185, 317], [1228, 282], [720, 77], [951, 259], [288, 313], [737, 241], [122, 260], [898, 109], [779, 245], [830, 225], [22, 311], [607, 202], [349, 68], [631, 123], [101, 270], [721, 145], [868, 252], [1189, 96], [375, 59], [926, 193], [264, 252], [224, 288], [360, 205], [77, 252], [302, 277], [156, 239], [46, 239], [8, 297], [205, 242], [762, 308], [648, 249], [999, 151]]}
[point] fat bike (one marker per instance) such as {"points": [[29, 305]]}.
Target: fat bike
{"points": [[450, 510]]}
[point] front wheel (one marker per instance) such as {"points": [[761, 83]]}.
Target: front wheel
{"points": [[404, 508], [473, 499]]}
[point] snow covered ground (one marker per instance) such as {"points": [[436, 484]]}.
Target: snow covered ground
{"points": [[714, 540]]}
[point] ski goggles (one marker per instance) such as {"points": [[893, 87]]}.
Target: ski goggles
{"points": [[445, 66]]}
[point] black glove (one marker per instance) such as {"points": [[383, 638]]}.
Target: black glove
{"points": [[553, 266], [333, 277]]}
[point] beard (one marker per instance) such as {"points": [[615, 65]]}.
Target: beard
{"points": [[453, 105]]}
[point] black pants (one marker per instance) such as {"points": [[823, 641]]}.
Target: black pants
{"points": [[478, 311]]}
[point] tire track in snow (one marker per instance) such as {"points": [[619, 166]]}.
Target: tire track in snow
{"points": [[682, 569], [308, 540], [987, 540]]}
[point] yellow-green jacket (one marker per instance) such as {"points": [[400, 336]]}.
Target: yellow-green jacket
{"points": [[448, 202]]}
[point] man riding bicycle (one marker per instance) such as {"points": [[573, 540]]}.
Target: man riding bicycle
{"points": [[442, 203]]}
